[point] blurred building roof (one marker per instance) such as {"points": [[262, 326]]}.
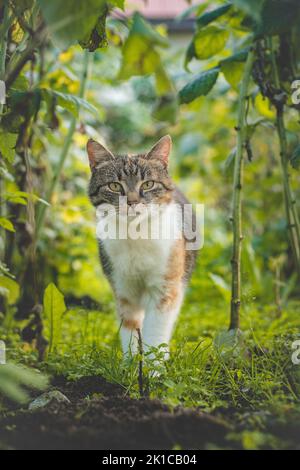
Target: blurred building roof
{"points": [[157, 11]]}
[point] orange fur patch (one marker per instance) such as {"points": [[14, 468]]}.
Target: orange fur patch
{"points": [[165, 198], [130, 314], [174, 276], [131, 323]]}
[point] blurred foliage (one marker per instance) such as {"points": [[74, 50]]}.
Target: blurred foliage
{"points": [[131, 98], [15, 379], [54, 308]]}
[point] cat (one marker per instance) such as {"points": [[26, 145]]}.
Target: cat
{"points": [[148, 276]]}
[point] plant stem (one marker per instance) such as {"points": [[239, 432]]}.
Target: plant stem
{"points": [[237, 196], [289, 198], [3, 46], [32, 40], [66, 146], [3, 51], [290, 202], [13, 70], [3, 41], [141, 352]]}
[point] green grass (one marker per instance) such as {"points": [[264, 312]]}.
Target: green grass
{"points": [[247, 379], [208, 367]]}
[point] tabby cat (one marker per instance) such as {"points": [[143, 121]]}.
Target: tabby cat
{"points": [[148, 276]]}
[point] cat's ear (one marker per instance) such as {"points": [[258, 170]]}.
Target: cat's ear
{"points": [[97, 153], [161, 150]]}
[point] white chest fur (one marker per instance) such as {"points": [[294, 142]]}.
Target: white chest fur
{"points": [[139, 265]]}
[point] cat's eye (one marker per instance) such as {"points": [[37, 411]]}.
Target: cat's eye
{"points": [[147, 185], [115, 187]]}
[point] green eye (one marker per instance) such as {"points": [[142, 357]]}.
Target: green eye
{"points": [[147, 185], [115, 187]]}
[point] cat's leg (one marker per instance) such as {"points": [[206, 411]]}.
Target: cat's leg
{"points": [[131, 317], [161, 315]]}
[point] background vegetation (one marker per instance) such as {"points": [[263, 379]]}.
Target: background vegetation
{"points": [[126, 83]]}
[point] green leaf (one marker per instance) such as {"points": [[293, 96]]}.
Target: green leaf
{"points": [[54, 307], [210, 41], [12, 288], [213, 15], [27, 103], [252, 8], [232, 67], [239, 56], [190, 54], [295, 158], [200, 86], [144, 30], [163, 82], [233, 73], [21, 83], [22, 5], [13, 378], [97, 37], [118, 3], [227, 341], [138, 59], [5, 270], [193, 9], [5, 223], [140, 56], [264, 107], [22, 197], [23, 104], [7, 145], [277, 17], [70, 21], [67, 101]]}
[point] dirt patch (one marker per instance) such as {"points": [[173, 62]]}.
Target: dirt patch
{"points": [[86, 387], [101, 417]]}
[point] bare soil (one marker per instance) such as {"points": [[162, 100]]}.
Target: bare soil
{"points": [[101, 416]]}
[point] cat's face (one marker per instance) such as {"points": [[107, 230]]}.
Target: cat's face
{"points": [[141, 178]]}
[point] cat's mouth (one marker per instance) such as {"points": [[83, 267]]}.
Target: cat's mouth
{"points": [[139, 211], [134, 210]]}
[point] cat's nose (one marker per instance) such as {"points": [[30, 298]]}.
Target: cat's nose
{"points": [[132, 198]]}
